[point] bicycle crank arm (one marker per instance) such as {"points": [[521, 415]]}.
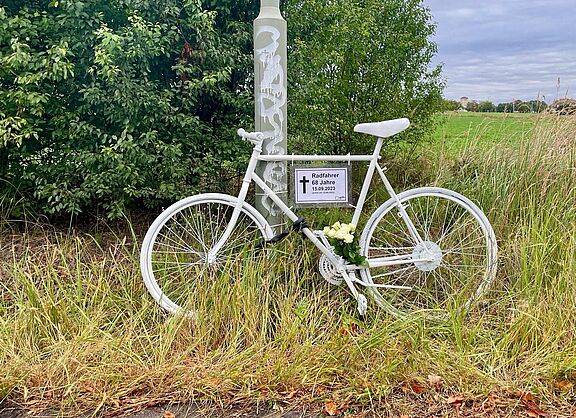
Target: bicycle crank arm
{"points": [[362, 304], [350, 279]]}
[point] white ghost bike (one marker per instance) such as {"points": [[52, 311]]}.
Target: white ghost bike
{"points": [[428, 249]]}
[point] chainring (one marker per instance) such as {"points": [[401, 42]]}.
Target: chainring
{"points": [[329, 271]]}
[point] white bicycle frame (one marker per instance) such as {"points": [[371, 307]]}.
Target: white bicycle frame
{"points": [[346, 270]]}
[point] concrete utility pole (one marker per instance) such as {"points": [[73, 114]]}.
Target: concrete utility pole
{"points": [[270, 92]]}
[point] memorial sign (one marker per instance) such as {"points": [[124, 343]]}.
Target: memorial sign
{"points": [[321, 186]]}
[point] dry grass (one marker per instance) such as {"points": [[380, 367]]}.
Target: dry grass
{"points": [[78, 332]]}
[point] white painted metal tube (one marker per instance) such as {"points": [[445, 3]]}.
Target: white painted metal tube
{"points": [[383, 286], [364, 192], [274, 197], [241, 198], [411, 228], [392, 261], [316, 158]]}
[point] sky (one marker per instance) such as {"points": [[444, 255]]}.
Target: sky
{"points": [[499, 50]]}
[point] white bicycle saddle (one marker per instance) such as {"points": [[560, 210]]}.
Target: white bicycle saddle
{"points": [[383, 129]]}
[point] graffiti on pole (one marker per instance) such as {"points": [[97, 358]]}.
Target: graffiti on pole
{"points": [[271, 99]]}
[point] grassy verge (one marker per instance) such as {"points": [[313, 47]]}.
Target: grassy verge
{"points": [[459, 131], [78, 332]]}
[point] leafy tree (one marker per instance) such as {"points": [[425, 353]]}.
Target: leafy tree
{"points": [[473, 106], [359, 61], [521, 106], [505, 107], [450, 105], [537, 106], [486, 106], [111, 103]]}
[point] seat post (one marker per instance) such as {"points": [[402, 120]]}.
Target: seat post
{"points": [[367, 180]]}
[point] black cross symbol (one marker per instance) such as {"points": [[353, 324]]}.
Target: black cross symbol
{"points": [[304, 181]]}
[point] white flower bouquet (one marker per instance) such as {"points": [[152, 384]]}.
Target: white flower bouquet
{"points": [[341, 237]]}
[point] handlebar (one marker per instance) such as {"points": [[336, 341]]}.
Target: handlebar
{"points": [[253, 137]]}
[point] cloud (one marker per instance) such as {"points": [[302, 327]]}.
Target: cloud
{"points": [[498, 50]]}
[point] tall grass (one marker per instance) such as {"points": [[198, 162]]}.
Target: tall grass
{"points": [[78, 332]]}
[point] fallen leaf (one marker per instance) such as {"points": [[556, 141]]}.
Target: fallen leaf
{"points": [[168, 414], [416, 387], [331, 408], [455, 399], [563, 385], [526, 397], [435, 381], [532, 408], [289, 395]]}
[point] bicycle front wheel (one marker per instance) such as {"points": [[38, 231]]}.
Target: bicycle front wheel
{"points": [[453, 265], [177, 261]]}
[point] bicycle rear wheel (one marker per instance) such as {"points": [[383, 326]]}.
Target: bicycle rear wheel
{"points": [[177, 266], [454, 265]]}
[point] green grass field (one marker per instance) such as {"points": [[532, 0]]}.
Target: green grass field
{"points": [[456, 131], [79, 333]]}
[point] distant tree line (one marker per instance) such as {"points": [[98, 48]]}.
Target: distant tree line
{"points": [[520, 106], [564, 106]]}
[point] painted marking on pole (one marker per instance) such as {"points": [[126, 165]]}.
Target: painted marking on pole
{"points": [[321, 186], [271, 100]]}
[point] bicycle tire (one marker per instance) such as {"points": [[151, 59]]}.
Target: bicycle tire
{"points": [[455, 277], [173, 257]]}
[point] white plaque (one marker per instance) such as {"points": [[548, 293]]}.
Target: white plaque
{"points": [[321, 186]]}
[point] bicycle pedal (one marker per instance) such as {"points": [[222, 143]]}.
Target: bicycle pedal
{"points": [[362, 304]]}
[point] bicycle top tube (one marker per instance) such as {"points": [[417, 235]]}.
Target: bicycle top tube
{"points": [[294, 157]]}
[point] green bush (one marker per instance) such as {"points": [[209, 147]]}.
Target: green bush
{"points": [[106, 104]]}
